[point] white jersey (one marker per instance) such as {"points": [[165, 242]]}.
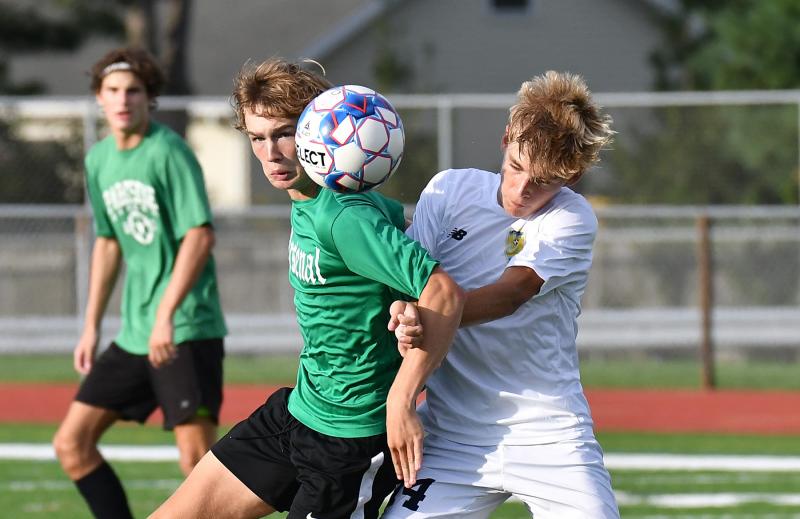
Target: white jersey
{"points": [[513, 380]]}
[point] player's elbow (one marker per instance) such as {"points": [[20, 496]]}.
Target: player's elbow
{"points": [[450, 295], [204, 237], [458, 294]]}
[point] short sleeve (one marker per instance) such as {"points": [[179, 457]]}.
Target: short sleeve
{"points": [[186, 197], [428, 214], [560, 249], [372, 246]]}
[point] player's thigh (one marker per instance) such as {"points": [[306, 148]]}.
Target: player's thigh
{"points": [[456, 481], [193, 440], [212, 491], [198, 434], [84, 424], [563, 480], [119, 381], [340, 477], [433, 498], [191, 385], [257, 452]]}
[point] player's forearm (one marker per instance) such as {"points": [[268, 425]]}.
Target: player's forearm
{"points": [[489, 303], [106, 259], [190, 261], [514, 288], [440, 306]]}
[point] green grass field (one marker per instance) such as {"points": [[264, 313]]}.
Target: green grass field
{"points": [[39, 489], [241, 369]]}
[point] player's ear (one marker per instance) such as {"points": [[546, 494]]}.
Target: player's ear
{"points": [[504, 140]]}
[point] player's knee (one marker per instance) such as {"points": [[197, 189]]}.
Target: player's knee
{"points": [[189, 458], [71, 451], [64, 444]]}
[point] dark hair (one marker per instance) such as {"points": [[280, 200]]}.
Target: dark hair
{"points": [[139, 62]]}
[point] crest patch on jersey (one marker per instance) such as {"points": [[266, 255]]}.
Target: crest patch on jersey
{"points": [[514, 242]]}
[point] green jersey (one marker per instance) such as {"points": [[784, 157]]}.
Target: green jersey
{"points": [[147, 198], [348, 260]]}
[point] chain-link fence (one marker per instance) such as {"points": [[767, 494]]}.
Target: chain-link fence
{"points": [[647, 287], [645, 291]]}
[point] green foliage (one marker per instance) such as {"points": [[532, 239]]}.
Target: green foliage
{"points": [[391, 71], [707, 155], [729, 155], [749, 45], [47, 171], [61, 25]]}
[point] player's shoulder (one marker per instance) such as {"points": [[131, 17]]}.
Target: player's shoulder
{"points": [[165, 136], [99, 151], [364, 199], [368, 204], [572, 206], [457, 186], [464, 178]]}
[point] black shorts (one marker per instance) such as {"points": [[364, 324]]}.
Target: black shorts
{"points": [[189, 386], [291, 467]]}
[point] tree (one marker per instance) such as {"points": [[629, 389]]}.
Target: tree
{"points": [[49, 172], [33, 171], [718, 155], [142, 28]]}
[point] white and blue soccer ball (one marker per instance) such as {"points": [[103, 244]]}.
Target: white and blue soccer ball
{"points": [[350, 139]]}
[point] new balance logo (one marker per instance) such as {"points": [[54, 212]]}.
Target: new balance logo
{"points": [[457, 234]]}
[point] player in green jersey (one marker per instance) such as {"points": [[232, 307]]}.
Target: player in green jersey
{"points": [[151, 212], [335, 444]]}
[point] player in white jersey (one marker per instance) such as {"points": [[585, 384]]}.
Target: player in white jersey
{"points": [[505, 413]]}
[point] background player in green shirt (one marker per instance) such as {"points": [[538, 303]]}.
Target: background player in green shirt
{"points": [[322, 449], [151, 211]]}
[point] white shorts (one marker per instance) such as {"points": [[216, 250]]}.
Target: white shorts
{"points": [[564, 480]]}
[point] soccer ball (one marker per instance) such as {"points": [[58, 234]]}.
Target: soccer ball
{"points": [[349, 139]]}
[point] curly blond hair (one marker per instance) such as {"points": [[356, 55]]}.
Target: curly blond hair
{"points": [[559, 128], [275, 88]]}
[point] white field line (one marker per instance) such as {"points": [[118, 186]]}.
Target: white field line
{"points": [[67, 485], [44, 452], [707, 500], [695, 462], [614, 461]]}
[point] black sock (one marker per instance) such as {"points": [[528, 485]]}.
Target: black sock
{"points": [[104, 494]]}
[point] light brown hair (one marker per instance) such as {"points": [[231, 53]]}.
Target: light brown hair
{"points": [[559, 128], [275, 88]]}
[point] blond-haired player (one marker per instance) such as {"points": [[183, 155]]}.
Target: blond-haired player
{"points": [[506, 414]]}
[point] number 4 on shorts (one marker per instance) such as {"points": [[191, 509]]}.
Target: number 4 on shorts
{"points": [[415, 494]]}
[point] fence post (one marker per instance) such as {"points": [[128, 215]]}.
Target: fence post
{"points": [[706, 293], [444, 132], [83, 244]]}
